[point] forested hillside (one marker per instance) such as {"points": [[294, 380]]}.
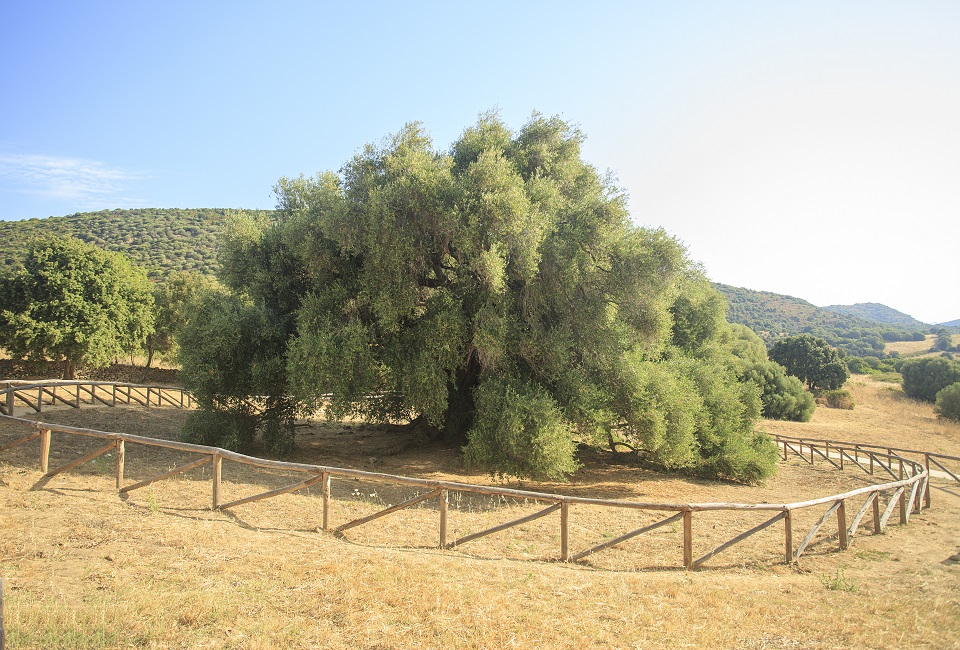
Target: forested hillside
{"points": [[877, 313], [773, 316], [157, 240]]}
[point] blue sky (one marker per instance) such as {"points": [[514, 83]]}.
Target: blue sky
{"points": [[809, 148]]}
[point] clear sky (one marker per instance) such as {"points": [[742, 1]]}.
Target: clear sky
{"points": [[807, 148]]}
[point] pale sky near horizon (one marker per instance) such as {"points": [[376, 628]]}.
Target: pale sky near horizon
{"points": [[810, 149]]}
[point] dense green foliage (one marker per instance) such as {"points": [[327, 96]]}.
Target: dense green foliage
{"points": [[812, 361], [774, 316], [172, 298], [948, 402], [73, 302], [157, 240], [924, 378], [782, 396], [496, 294]]}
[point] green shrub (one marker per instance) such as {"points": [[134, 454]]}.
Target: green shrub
{"points": [[520, 430], [924, 378], [783, 396], [948, 402], [838, 399]]}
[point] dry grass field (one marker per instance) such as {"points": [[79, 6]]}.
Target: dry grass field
{"points": [[84, 568], [918, 348]]}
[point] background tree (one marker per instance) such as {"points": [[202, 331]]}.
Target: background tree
{"points": [[496, 294], [811, 360], [925, 377], [75, 303], [782, 395], [172, 298]]}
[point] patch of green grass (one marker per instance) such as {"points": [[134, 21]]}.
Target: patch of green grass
{"points": [[839, 582]]}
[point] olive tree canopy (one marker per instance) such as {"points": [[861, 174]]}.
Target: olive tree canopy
{"points": [[496, 293]]}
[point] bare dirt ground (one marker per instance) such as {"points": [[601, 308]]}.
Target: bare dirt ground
{"points": [[83, 567]]}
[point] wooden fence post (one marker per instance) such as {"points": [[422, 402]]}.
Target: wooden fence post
{"points": [[44, 450], [564, 531], [926, 491], [11, 396], [877, 529], [217, 469], [443, 518], [903, 499], [121, 450], [842, 524], [688, 539], [788, 536], [326, 501]]}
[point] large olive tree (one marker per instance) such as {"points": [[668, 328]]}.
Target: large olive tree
{"points": [[496, 293]]}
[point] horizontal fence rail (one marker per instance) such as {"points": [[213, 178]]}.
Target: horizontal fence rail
{"points": [[906, 491]]}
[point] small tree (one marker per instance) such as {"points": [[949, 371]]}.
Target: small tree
{"points": [[75, 303], [812, 360], [948, 402]]}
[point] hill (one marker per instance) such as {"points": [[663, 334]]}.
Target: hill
{"points": [[773, 315], [156, 239], [878, 313], [952, 323]]}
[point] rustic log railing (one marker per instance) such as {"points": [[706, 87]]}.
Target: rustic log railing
{"points": [[909, 469]]}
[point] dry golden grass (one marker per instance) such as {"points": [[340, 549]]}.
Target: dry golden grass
{"points": [[84, 568]]}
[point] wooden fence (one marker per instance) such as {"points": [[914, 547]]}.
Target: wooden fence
{"points": [[907, 490]]}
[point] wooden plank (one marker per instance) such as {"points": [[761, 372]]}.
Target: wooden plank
{"points": [[884, 465], [161, 397], [138, 398], [933, 459], [509, 524], [889, 509], [854, 459], [299, 485], [625, 537], [738, 538], [687, 540], [825, 456], [798, 452], [871, 498], [20, 441], [178, 470], [911, 500], [813, 531], [84, 459], [386, 511]]}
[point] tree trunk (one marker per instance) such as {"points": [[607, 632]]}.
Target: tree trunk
{"points": [[69, 372], [149, 357], [461, 409]]}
